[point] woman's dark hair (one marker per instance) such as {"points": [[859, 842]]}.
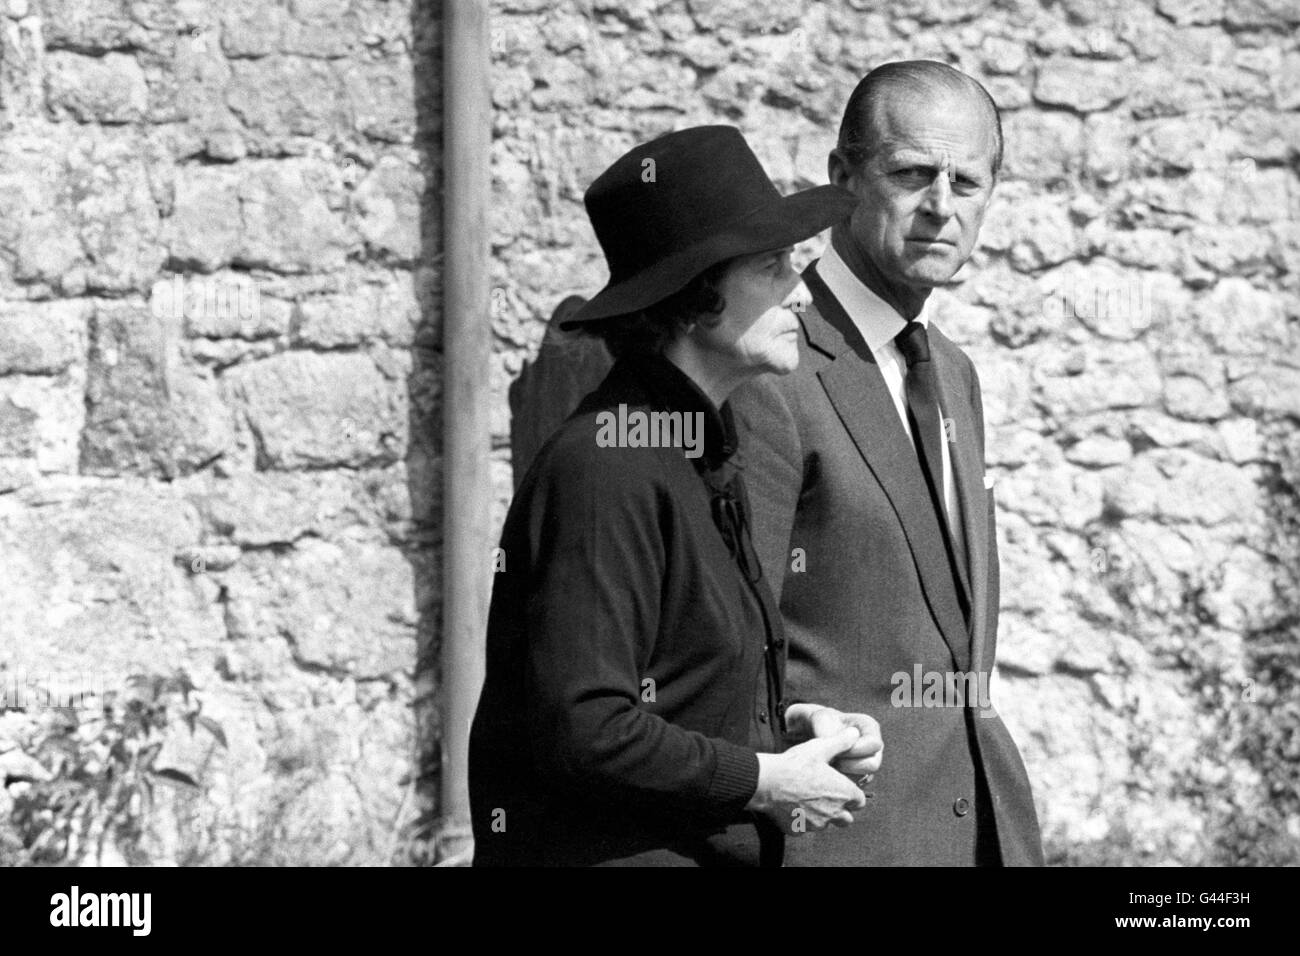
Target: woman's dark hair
{"points": [[651, 329]]}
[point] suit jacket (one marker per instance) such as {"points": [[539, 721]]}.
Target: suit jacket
{"points": [[847, 532], [626, 692]]}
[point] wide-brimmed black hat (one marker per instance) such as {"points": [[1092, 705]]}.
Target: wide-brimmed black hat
{"points": [[671, 208]]}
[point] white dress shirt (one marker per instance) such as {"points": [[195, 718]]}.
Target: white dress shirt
{"points": [[879, 323]]}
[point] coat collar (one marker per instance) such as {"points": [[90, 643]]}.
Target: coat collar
{"points": [[877, 320], [656, 382]]}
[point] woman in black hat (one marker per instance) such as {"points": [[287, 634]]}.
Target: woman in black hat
{"points": [[632, 711]]}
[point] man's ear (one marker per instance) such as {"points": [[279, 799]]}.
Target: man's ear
{"points": [[838, 168]]}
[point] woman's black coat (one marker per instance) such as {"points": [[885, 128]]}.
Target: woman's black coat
{"points": [[626, 691]]}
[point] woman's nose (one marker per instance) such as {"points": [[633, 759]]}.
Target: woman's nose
{"points": [[799, 298]]}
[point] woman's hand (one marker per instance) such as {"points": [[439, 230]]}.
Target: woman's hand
{"points": [[801, 791], [813, 721]]}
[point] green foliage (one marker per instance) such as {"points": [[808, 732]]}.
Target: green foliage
{"points": [[1259, 716], [104, 771]]}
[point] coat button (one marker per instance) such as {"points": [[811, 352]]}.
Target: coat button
{"points": [[762, 716], [961, 807]]}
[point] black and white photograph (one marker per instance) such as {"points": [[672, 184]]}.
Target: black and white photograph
{"points": [[705, 433]]}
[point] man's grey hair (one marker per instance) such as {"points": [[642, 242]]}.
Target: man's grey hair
{"points": [[917, 76]]}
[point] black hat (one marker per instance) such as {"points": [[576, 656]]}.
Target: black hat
{"points": [[671, 208]]}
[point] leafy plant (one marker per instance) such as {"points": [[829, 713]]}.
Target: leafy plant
{"points": [[103, 768]]}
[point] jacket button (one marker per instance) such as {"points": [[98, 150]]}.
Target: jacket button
{"points": [[961, 807], [762, 716]]}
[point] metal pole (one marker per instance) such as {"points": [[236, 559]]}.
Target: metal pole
{"points": [[467, 487]]}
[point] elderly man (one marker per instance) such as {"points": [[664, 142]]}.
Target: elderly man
{"points": [[872, 513]]}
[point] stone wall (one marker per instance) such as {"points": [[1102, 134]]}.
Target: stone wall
{"points": [[1132, 311], [217, 313], [219, 389]]}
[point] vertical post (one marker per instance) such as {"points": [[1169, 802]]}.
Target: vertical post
{"points": [[466, 323]]}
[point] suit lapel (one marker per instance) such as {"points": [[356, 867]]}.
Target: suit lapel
{"points": [[968, 474], [861, 398]]}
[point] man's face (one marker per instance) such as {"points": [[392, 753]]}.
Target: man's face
{"points": [[924, 186]]}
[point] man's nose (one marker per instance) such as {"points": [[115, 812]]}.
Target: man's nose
{"points": [[938, 196]]}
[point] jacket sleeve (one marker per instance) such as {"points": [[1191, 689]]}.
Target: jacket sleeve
{"points": [[772, 460], [597, 568]]}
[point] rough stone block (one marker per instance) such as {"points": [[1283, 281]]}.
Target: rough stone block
{"points": [[310, 410], [1085, 86], [271, 509], [251, 29], [388, 209], [1271, 390], [204, 231], [44, 418], [323, 29], [381, 98], [17, 430], [42, 338], [107, 89], [287, 224], [146, 412], [280, 97], [1042, 147], [101, 26], [1193, 398], [358, 622], [1239, 319], [1179, 486], [1083, 381], [388, 312], [91, 585], [115, 211], [1043, 235], [48, 247]]}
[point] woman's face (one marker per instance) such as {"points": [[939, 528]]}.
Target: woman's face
{"points": [[758, 330]]}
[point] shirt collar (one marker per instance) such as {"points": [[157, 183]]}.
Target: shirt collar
{"points": [[875, 318], [671, 389]]}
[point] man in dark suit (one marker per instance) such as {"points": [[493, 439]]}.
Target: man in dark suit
{"points": [[872, 513]]}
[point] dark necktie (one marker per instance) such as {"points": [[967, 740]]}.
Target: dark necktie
{"points": [[922, 390]]}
